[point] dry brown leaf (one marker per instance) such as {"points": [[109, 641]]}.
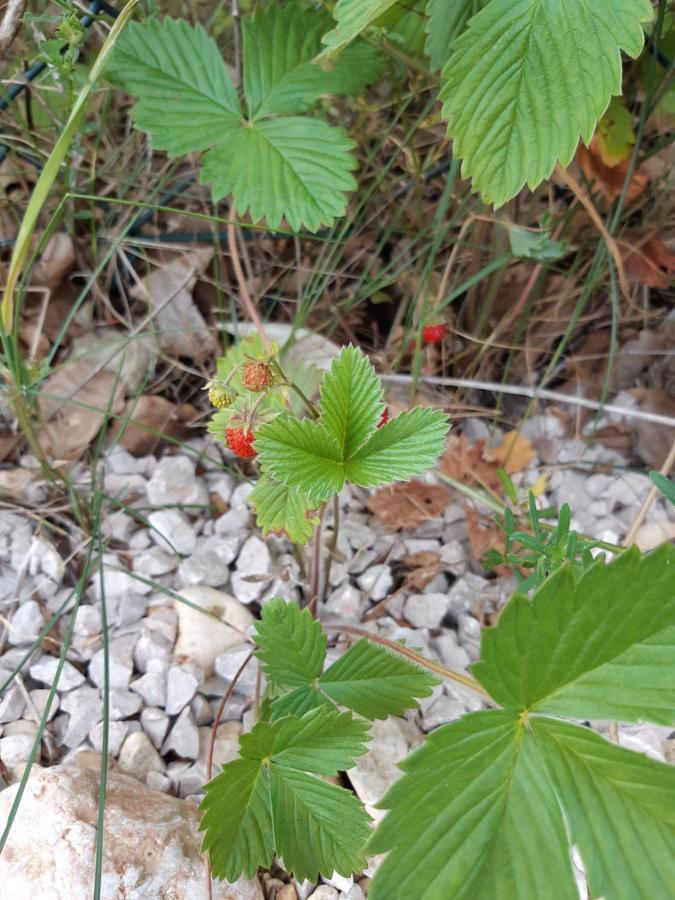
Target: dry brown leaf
{"points": [[610, 179], [406, 505], [73, 403], [483, 536], [514, 454], [647, 261], [653, 441], [181, 329], [152, 419], [13, 482], [465, 463], [423, 567], [57, 259]]}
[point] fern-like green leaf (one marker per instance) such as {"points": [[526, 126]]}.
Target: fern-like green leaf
{"points": [[407, 445], [353, 17], [291, 644], [280, 77], [375, 682], [522, 64], [293, 167], [445, 22], [282, 510], [186, 97], [266, 802], [301, 454], [620, 809], [474, 817], [351, 400], [609, 647]]}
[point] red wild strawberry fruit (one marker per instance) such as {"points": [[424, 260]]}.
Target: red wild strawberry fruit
{"points": [[433, 334], [384, 418], [256, 376], [240, 442]]}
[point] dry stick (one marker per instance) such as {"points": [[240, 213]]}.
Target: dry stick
{"points": [[610, 243], [315, 574], [534, 394], [649, 499], [11, 22], [209, 758], [410, 654], [330, 549], [243, 286]]}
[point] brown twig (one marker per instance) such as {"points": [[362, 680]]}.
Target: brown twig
{"points": [[649, 499], [251, 311], [11, 22]]}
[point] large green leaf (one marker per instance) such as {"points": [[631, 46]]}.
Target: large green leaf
{"points": [[282, 510], [602, 646], [266, 802], [523, 64], [295, 168], [352, 17], [474, 817], [407, 445], [375, 682], [280, 76], [620, 810], [319, 828], [351, 400], [445, 22], [302, 454], [291, 644], [186, 98]]}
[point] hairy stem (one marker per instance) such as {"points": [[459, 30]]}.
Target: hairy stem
{"points": [[439, 669], [330, 550], [315, 572]]}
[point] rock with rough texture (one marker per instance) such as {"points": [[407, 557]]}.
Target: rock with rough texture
{"points": [[138, 756], [173, 483], [376, 582], [183, 738], [182, 682], [425, 610], [150, 849], [253, 564], [172, 531], [45, 669], [200, 637]]}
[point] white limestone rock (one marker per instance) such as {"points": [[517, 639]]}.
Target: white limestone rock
{"points": [[200, 637]]}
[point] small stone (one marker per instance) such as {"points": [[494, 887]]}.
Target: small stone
{"points": [[152, 847], [85, 709], [123, 704], [151, 645], [252, 565], [118, 526], [183, 738], [15, 751], [228, 664], [653, 534], [453, 557], [325, 892], [152, 685], [354, 893], [239, 498], [158, 781], [201, 638], [469, 631], [376, 582], [287, 892], [361, 560], [120, 663], [598, 484], [344, 603], [465, 592], [630, 489], [154, 723], [39, 698], [117, 731], [27, 623], [163, 619], [116, 583], [45, 671], [130, 608], [172, 531], [174, 483], [359, 535], [138, 756], [204, 567], [12, 702], [444, 709], [87, 622], [153, 562], [425, 610], [128, 488], [236, 521], [182, 683], [451, 654], [201, 710], [421, 545]]}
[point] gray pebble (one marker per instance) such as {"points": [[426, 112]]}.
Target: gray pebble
{"points": [[45, 670], [183, 738]]}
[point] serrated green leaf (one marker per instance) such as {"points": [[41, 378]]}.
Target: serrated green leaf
{"points": [[665, 485], [323, 741], [601, 646], [620, 809], [374, 682], [353, 17], [474, 817], [265, 802], [536, 245], [319, 828], [280, 77], [282, 509], [407, 445], [514, 65], [445, 22], [292, 168], [298, 702], [237, 820], [291, 644], [351, 400], [186, 97], [301, 454]]}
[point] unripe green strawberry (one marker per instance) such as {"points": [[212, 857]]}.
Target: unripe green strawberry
{"points": [[256, 376], [219, 396]]}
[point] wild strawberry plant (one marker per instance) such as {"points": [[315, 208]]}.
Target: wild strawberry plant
{"points": [[521, 82]]}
